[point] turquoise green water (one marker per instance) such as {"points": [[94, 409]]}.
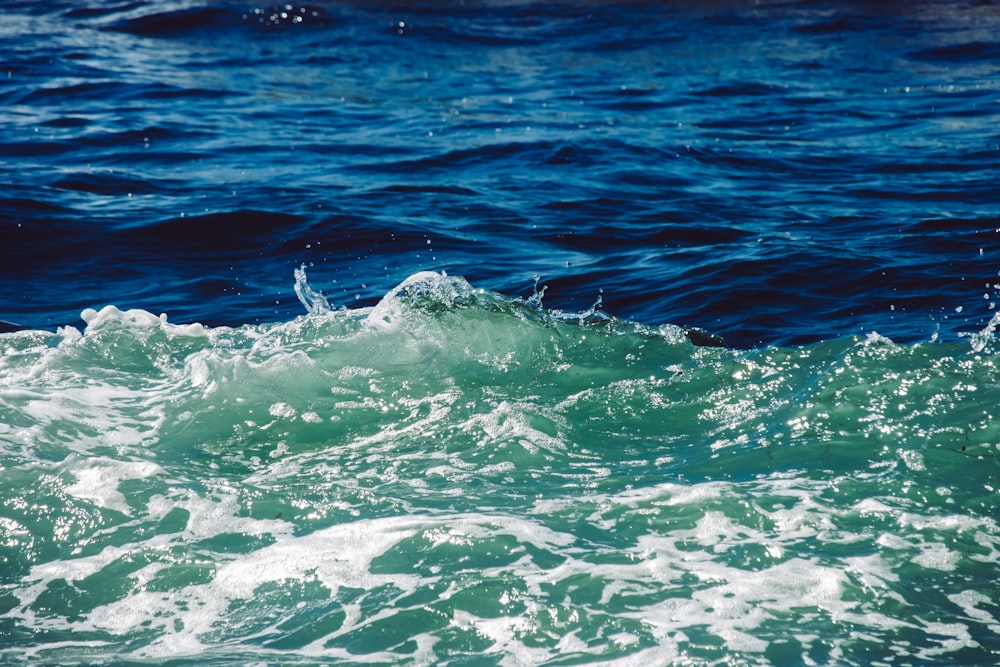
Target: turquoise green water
{"points": [[457, 477]]}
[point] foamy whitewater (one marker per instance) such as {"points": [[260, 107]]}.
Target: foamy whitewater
{"points": [[454, 476]]}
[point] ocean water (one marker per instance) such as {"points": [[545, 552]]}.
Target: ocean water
{"points": [[499, 333]]}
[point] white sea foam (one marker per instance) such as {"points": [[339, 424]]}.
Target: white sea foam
{"points": [[971, 602], [336, 557], [729, 601], [89, 407], [98, 479], [137, 319]]}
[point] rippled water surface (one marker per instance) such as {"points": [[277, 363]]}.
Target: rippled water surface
{"points": [[499, 333], [778, 174]]}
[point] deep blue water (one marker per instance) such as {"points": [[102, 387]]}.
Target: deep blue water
{"points": [[777, 174], [427, 387]]}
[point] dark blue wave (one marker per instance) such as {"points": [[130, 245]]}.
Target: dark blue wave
{"points": [[198, 20], [961, 52], [781, 174]]}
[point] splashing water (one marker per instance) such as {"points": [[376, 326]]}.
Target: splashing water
{"points": [[313, 301]]}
